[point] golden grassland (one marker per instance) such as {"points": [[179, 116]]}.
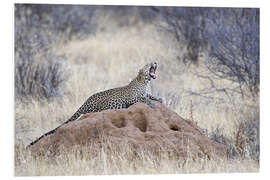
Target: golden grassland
{"points": [[114, 159], [110, 59]]}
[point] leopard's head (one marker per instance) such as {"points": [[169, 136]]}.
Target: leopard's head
{"points": [[147, 73]]}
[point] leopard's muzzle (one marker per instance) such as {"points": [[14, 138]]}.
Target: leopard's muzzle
{"points": [[152, 70]]}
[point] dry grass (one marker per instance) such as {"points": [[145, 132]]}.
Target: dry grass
{"points": [[122, 159], [112, 58]]}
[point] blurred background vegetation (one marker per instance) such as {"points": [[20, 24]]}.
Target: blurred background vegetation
{"points": [[209, 65], [230, 34]]}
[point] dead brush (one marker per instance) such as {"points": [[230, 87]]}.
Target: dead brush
{"points": [[39, 78], [218, 136], [247, 141], [191, 111]]}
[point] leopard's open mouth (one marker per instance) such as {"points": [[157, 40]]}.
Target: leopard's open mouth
{"points": [[152, 71]]}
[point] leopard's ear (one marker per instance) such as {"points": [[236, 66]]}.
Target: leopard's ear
{"points": [[140, 75]]}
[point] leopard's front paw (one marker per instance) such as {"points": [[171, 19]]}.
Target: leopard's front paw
{"points": [[153, 106], [160, 100]]}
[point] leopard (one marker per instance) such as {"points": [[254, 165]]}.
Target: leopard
{"points": [[138, 90]]}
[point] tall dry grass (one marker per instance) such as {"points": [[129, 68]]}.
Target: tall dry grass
{"points": [[112, 159], [111, 58]]}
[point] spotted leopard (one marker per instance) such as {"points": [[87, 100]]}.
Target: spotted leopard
{"points": [[138, 90]]}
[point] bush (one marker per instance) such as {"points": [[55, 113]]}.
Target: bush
{"points": [[245, 144], [187, 25], [39, 79], [247, 139], [231, 149], [38, 71], [67, 19], [233, 35]]}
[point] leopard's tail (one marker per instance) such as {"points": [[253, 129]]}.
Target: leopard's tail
{"points": [[73, 118]]}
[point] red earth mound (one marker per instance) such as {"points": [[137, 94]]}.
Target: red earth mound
{"points": [[139, 125]]}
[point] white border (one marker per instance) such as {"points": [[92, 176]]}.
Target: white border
{"points": [[7, 100], [209, 3]]}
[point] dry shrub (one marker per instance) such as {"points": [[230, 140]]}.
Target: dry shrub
{"points": [[246, 142], [218, 136], [39, 79], [247, 139], [38, 70]]}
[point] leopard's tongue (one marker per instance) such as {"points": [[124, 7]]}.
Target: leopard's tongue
{"points": [[153, 76], [152, 73]]}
